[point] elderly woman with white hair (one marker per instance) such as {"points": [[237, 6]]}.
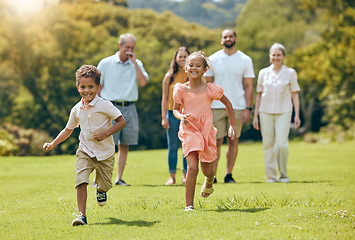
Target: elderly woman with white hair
{"points": [[277, 89]]}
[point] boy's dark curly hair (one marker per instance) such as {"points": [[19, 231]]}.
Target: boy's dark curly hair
{"points": [[88, 71]]}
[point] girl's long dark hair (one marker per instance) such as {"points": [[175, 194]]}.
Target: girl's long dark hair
{"points": [[174, 67]]}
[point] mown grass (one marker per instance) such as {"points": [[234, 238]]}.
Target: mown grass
{"points": [[37, 199]]}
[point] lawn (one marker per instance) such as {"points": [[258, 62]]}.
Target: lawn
{"points": [[37, 198]]}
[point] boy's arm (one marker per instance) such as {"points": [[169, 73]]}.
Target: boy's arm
{"points": [[62, 136], [120, 123], [233, 124]]}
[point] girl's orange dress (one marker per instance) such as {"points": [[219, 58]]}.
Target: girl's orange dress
{"points": [[199, 134]]}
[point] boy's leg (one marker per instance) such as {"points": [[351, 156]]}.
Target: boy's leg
{"points": [[81, 196], [192, 171], [104, 171], [84, 166]]}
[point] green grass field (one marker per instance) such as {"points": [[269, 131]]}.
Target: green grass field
{"points": [[37, 198]]}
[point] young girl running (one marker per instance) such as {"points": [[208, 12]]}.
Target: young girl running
{"points": [[197, 133]]}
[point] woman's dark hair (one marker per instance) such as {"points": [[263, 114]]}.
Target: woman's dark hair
{"points": [[174, 67]]}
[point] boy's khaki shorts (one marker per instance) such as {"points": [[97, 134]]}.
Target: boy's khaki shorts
{"points": [[104, 169], [221, 122]]}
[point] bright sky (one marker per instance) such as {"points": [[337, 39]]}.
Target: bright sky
{"points": [[28, 6]]}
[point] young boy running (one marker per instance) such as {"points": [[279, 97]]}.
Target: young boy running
{"points": [[96, 148]]}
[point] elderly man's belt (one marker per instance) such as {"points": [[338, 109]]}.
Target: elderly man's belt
{"points": [[123, 104]]}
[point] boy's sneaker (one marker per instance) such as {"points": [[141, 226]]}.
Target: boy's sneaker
{"points": [[79, 220], [228, 178], [101, 198], [122, 183]]}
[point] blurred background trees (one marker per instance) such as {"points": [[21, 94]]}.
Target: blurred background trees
{"points": [[40, 52]]}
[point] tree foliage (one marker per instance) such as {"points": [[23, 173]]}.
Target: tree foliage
{"points": [[43, 51], [326, 69], [209, 13], [264, 22], [39, 54], [318, 36]]}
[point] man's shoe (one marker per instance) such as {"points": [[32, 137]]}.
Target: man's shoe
{"points": [[121, 183], [101, 198], [228, 178], [271, 181], [80, 220], [284, 180]]}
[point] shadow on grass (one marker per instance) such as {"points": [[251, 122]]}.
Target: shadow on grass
{"points": [[258, 182], [311, 181], [162, 185], [137, 223], [248, 210]]}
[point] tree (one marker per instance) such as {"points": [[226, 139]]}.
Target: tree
{"points": [[326, 69], [44, 55]]}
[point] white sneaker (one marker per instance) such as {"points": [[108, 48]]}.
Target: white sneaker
{"points": [[284, 180], [271, 181], [189, 208]]}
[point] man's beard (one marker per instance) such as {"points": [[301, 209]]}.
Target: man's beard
{"points": [[229, 45]]}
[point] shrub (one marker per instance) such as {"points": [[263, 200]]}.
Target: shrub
{"points": [[15, 140]]}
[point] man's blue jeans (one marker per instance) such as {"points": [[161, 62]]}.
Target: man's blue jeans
{"points": [[174, 143]]}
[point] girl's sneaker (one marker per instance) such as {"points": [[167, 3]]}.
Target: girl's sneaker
{"points": [[189, 208], [79, 220]]}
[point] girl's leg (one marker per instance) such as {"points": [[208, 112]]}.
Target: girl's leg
{"points": [[207, 170], [192, 171], [184, 169], [81, 196]]}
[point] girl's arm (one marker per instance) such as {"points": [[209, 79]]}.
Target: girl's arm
{"points": [[164, 101], [120, 123], [296, 105], [178, 114], [256, 111], [233, 129], [62, 136]]}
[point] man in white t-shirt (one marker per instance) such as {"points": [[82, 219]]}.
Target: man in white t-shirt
{"points": [[232, 70]]}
